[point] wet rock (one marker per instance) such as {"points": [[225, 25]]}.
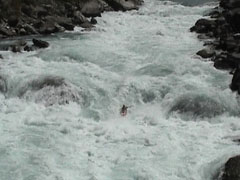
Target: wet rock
{"points": [[48, 28], [30, 48], [235, 85], [51, 90], [206, 53], [197, 106], [40, 43], [86, 25], [92, 8], [203, 26], [93, 21], [221, 61], [232, 169], [3, 85], [79, 18], [124, 5]]}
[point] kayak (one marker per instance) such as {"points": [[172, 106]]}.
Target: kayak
{"points": [[123, 113]]}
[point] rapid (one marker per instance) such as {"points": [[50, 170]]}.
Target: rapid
{"points": [[59, 107]]}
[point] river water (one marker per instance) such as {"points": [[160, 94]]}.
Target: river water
{"points": [[182, 119]]}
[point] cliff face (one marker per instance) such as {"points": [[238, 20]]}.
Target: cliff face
{"points": [[26, 17]]}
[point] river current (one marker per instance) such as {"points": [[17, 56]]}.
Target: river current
{"points": [[182, 118]]}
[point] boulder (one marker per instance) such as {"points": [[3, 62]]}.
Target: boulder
{"points": [[47, 27], [78, 18], [7, 32], [206, 53], [92, 8], [62, 21], [93, 21], [30, 29], [86, 25], [27, 10], [203, 26], [233, 17], [224, 64], [232, 169], [51, 90], [39, 43], [13, 21], [124, 5], [235, 85]]}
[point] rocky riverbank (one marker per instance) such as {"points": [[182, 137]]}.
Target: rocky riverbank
{"points": [[220, 32], [43, 17]]}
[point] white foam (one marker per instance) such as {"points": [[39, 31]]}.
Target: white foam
{"points": [[113, 66]]}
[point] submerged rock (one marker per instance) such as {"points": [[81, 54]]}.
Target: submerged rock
{"points": [[3, 85], [51, 90], [232, 169], [197, 105]]}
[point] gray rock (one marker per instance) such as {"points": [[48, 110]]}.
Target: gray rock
{"points": [[3, 85], [86, 25], [92, 8], [30, 29], [13, 21], [124, 5], [40, 43], [206, 53], [1, 57], [79, 18], [232, 169]]}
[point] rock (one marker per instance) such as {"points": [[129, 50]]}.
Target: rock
{"points": [[3, 85], [62, 21], [206, 53], [92, 8], [93, 21], [221, 61], [40, 11], [13, 21], [30, 48], [30, 29], [47, 28], [17, 46], [28, 10], [235, 85], [1, 57], [233, 17], [232, 169], [6, 32], [86, 25], [51, 90], [40, 43], [124, 5], [203, 26], [79, 18]]}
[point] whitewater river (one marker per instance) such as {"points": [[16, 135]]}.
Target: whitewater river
{"points": [[181, 123]]}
